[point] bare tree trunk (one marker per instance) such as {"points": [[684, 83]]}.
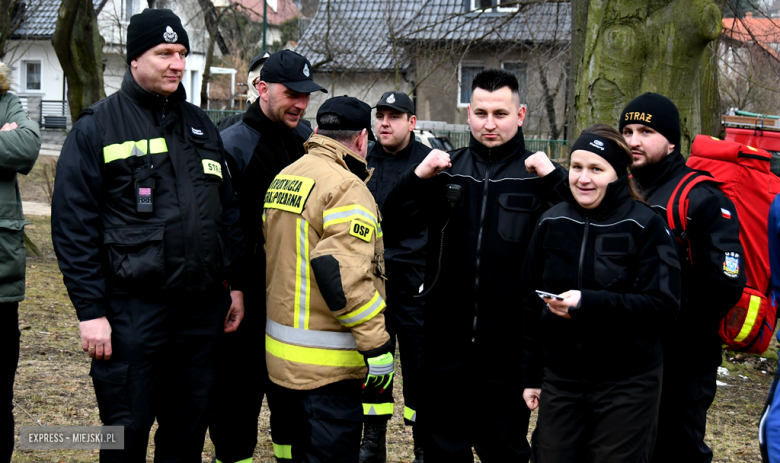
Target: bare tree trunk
{"points": [[636, 46], [11, 13], [204, 84], [79, 48], [549, 103]]}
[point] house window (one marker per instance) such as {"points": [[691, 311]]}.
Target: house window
{"points": [[502, 6], [520, 70], [32, 75], [129, 8], [194, 89], [465, 77]]}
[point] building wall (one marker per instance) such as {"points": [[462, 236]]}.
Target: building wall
{"points": [[438, 91], [41, 51], [366, 86], [437, 94]]}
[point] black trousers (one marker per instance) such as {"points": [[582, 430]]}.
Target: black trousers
{"points": [[404, 324], [682, 420], [163, 366], [322, 425], [474, 404], [9, 345], [597, 421], [241, 384]]}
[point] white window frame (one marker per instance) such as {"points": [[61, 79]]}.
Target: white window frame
{"points": [[473, 64], [125, 4], [496, 6], [510, 9], [23, 76]]}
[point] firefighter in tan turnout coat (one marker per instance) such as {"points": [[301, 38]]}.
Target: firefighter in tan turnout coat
{"points": [[325, 291]]}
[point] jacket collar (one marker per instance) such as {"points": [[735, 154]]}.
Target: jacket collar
{"points": [[379, 150], [343, 156], [148, 99], [255, 117], [514, 145], [655, 175]]}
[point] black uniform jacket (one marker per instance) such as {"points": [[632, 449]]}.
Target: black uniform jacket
{"points": [[388, 168], [708, 293], [103, 244], [257, 150], [475, 252], [623, 260]]}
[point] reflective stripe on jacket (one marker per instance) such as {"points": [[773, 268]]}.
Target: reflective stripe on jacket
{"points": [[325, 288]]}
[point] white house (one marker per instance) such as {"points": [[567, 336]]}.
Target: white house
{"points": [[38, 76]]}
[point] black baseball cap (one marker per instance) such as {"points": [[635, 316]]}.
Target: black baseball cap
{"points": [[399, 101], [290, 69], [353, 114], [258, 60]]}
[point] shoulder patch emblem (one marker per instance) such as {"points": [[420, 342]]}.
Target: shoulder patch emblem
{"points": [[288, 193], [731, 264], [726, 213], [361, 230], [212, 168], [169, 35]]}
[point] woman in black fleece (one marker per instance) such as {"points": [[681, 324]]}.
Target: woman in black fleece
{"points": [[592, 358]]}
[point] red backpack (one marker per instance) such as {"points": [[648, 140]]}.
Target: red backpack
{"points": [[742, 173]]}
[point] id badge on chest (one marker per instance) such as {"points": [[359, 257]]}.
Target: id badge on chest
{"points": [[144, 182]]}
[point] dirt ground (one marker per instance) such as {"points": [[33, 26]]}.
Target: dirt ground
{"points": [[53, 386]]}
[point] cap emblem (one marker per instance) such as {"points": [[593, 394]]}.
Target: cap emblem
{"points": [[306, 70], [391, 98], [169, 35]]}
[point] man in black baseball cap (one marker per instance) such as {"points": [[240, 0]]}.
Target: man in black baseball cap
{"points": [[397, 151], [291, 69], [319, 346], [268, 137]]}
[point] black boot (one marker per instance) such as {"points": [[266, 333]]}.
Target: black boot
{"points": [[373, 449], [418, 451]]}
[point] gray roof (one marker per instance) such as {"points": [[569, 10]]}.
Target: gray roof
{"points": [[40, 19], [358, 35], [354, 34]]}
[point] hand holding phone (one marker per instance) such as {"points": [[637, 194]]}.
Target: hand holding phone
{"points": [[545, 294]]}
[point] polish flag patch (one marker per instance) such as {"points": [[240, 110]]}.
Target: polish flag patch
{"points": [[726, 213]]}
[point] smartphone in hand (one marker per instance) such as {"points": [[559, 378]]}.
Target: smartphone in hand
{"points": [[545, 294]]}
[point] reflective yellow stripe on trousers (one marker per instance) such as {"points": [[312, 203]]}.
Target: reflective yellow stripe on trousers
{"points": [[378, 409], [283, 451], [302, 282]]}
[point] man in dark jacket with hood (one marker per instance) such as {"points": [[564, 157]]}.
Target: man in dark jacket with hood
{"points": [[651, 126], [395, 152], [269, 138], [480, 204], [138, 224]]}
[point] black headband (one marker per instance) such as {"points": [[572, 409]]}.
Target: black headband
{"points": [[607, 149]]}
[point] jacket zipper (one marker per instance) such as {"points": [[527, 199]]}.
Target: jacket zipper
{"points": [[479, 249], [582, 254], [579, 277], [165, 103]]}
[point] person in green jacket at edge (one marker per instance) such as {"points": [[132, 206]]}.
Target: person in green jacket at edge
{"points": [[20, 142]]}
